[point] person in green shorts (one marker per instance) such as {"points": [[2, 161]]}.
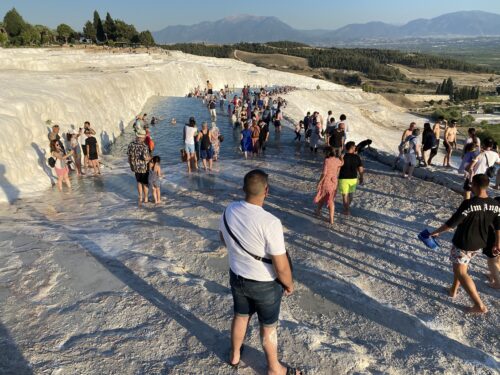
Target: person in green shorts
{"points": [[350, 174]]}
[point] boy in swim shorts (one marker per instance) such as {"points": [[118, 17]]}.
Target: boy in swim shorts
{"points": [[348, 176], [472, 221]]}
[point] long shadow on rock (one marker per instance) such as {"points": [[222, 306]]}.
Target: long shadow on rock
{"points": [[206, 335], [12, 360], [357, 302]]}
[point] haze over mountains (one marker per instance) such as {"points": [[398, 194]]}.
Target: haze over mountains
{"points": [[247, 28]]}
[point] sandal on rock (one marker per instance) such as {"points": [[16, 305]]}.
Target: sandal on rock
{"points": [[235, 365], [293, 371]]}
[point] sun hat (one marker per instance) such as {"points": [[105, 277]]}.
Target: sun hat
{"points": [[140, 133]]}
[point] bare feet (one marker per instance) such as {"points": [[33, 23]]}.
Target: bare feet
{"points": [[452, 293], [234, 358], [476, 310]]}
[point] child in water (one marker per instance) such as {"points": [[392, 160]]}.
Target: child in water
{"points": [[154, 178]]}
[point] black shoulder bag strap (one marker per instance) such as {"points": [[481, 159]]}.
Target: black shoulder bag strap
{"points": [[260, 259]]}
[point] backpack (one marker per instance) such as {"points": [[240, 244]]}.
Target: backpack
{"points": [[490, 171], [51, 162]]}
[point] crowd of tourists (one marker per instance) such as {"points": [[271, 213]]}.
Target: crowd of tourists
{"points": [[477, 220], [260, 267], [77, 152], [418, 148]]}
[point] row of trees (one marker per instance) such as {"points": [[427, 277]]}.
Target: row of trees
{"points": [[345, 59], [374, 63], [112, 30], [18, 32], [457, 93]]}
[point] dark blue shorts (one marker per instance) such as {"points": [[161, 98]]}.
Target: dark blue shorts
{"points": [[261, 297], [207, 154]]}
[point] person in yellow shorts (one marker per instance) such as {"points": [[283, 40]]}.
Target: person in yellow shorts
{"points": [[348, 185], [350, 175]]}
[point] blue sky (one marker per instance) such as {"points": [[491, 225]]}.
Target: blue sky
{"points": [[305, 14]]}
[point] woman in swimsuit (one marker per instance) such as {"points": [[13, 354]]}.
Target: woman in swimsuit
{"points": [[62, 170], [154, 178]]}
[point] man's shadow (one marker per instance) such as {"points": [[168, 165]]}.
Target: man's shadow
{"points": [[11, 192], [42, 162]]}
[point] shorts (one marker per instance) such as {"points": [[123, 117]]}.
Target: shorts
{"points": [[447, 147], [142, 178], [347, 185], [189, 148], [207, 154], [61, 171], [93, 156], [210, 92], [261, 297], [458, 256], [411, 159]]}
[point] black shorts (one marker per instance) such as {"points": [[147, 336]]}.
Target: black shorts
{"points": [[447, 147], [142, 178], [84, 150], [93, 156], [210, 92]]}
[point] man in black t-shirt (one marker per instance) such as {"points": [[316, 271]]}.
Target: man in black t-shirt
{"points": [[337, 139], [472, 221], [348, 176]]}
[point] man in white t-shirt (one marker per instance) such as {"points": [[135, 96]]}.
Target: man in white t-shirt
{"points": [[259, 268], [343, 119], [412, 150], [485, 159], [189, 133]]}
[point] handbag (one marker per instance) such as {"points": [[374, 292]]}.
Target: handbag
{"points": [[261, 259], [490, 171], [221, 138]]}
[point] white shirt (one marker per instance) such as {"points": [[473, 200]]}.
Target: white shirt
{"points": [[482, 164], [190, 132], [259, 232], [470, 140], [346, 125]]}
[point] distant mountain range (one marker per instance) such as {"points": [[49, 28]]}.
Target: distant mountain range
{"points": [[247, 28]]}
